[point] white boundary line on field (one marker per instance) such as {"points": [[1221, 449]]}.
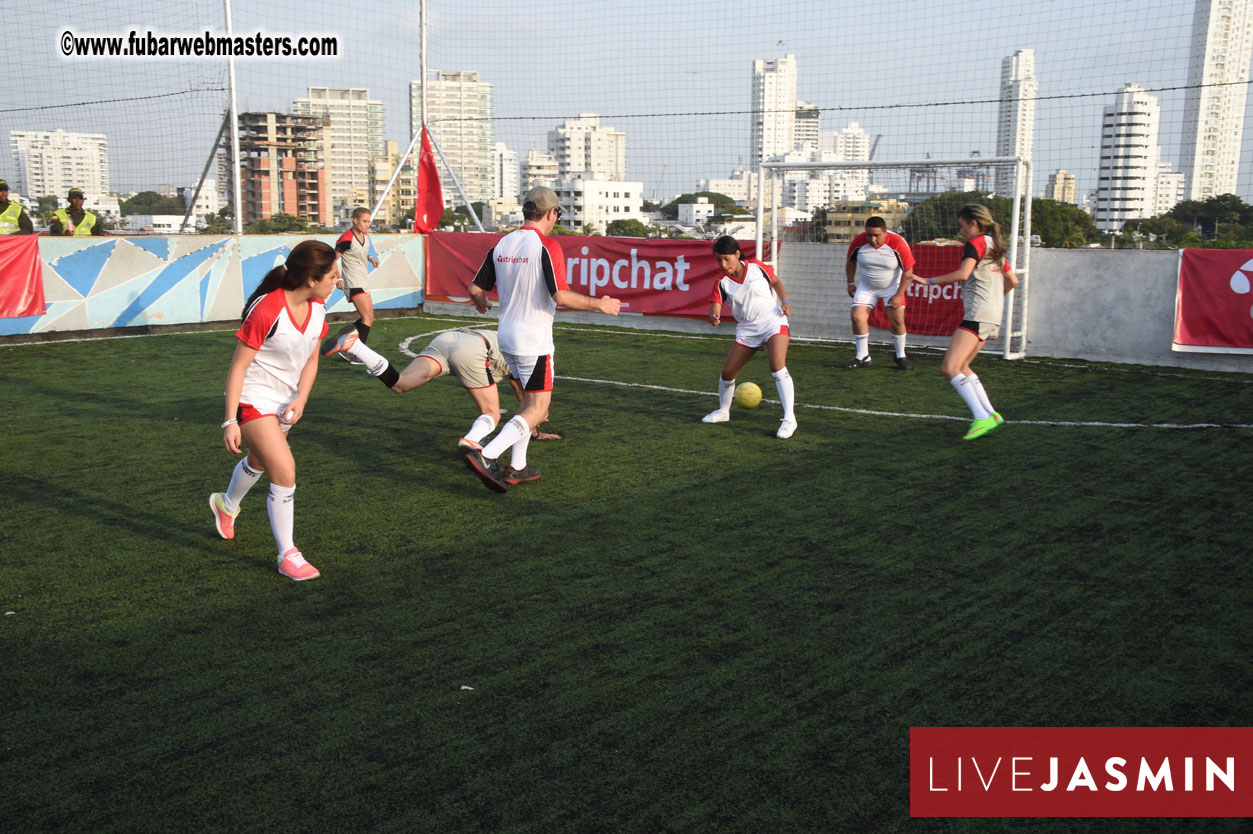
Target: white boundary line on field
{"points": [[404, 348]]}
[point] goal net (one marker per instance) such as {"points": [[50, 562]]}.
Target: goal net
{"points": [[811, 212]]}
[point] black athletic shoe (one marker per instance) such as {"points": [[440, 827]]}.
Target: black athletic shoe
{"points": [[520, 476], [859, 363], [487, 470], [904, 363]]}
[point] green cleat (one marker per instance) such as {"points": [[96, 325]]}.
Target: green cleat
{"points": [[978, 428], [996, 415]]}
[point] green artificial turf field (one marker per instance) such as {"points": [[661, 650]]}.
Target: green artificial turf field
{"points": [[680, 627]]}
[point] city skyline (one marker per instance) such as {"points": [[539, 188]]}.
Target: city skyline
{"points": [[1079, 69]]}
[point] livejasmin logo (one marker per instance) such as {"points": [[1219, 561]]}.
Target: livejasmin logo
{"points": [[1150, 777], [1080, 771]]}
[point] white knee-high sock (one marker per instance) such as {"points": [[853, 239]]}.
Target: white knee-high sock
{"points": [[968, 393], [787, 393], [512, 432], [282, 507], [375, 362], [862, 344], [518, 459], [242, 480], [481, 428], [973, 379], [899, 343], [726, 393]]}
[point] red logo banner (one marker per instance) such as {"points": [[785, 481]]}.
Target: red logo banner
{"points": [[1214, 301], [655, 277], [929, 310], [21, 277], [1080, 771]]}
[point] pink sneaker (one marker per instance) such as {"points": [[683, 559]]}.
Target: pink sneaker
{"points": [[224, 520], [292, 565]]}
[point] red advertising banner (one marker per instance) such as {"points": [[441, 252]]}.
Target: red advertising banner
{"points": [[655, 277], [1213, 303], [21, 277], [929, 310], [1081, 771]]}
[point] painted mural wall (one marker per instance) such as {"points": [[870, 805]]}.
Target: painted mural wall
{"points": [[99, 282]]}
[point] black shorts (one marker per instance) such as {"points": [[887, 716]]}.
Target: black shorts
{"points": [[353, 292]]}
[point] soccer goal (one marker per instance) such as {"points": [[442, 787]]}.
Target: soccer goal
{"points": [[821, 206]]}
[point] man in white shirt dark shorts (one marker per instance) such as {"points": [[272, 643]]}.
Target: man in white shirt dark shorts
{"points": [[528, 271]]}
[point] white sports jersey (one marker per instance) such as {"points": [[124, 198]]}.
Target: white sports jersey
{"points": [[984, 292], [753, 302], [354, 258], [879, 269], [525, 268], [283, 348]]}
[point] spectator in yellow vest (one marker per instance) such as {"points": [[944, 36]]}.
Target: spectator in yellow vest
{"points": [[76, 220], [13, 219]]}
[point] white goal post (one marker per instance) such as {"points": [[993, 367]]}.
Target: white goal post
{"points": [[899, 179]]}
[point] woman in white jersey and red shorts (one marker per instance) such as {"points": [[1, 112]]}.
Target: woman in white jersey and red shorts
{"points": [[267, 386], [759, 304], [987, 276]]}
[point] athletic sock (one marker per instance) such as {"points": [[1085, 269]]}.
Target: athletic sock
{"points": [[512, 432], [375, 363], [899, 343], [973, 379], [242, 480], [726, 393], [363, 330], [863, 345], [787, 393], [518, 457], [967, 391], [481, 428], [282, 516]]}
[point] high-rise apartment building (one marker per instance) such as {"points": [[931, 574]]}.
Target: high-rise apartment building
{"points": [[808, 126], [51, 162], [1218, 75], [352, 140], [1169, 189], [459, 118], [539, 169], [282, 169], [401, 197], [507, 172], [1061, 187], [1127, 174], [583, 148], [1015, 122], [774, 108]]}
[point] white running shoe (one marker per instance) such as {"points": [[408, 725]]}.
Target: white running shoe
{"points": [[786, 429], [718, 416]]}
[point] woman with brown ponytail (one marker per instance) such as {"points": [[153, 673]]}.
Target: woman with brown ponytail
{"points": [[988, 277], [267, 386]]}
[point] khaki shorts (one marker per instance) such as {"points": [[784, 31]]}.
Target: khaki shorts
{"points": [[981, 329], [462, 354]]}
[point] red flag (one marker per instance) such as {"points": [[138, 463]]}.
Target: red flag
{"points": [[428, 206]]}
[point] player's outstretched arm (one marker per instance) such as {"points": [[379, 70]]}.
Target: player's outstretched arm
{"points": [[572, 300], [963, 273], [481, 302]]}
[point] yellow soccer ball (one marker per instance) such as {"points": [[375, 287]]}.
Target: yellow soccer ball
{"points": [[747, 395]]}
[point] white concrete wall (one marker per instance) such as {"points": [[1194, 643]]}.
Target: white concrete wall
{"points": [[1098, 304]]}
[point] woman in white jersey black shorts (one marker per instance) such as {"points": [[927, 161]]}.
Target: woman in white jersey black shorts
{"points": [[267, 386], [988, 277]]}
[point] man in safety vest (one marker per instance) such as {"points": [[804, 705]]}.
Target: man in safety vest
{"points": [[13, 219], [75, 220]]}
